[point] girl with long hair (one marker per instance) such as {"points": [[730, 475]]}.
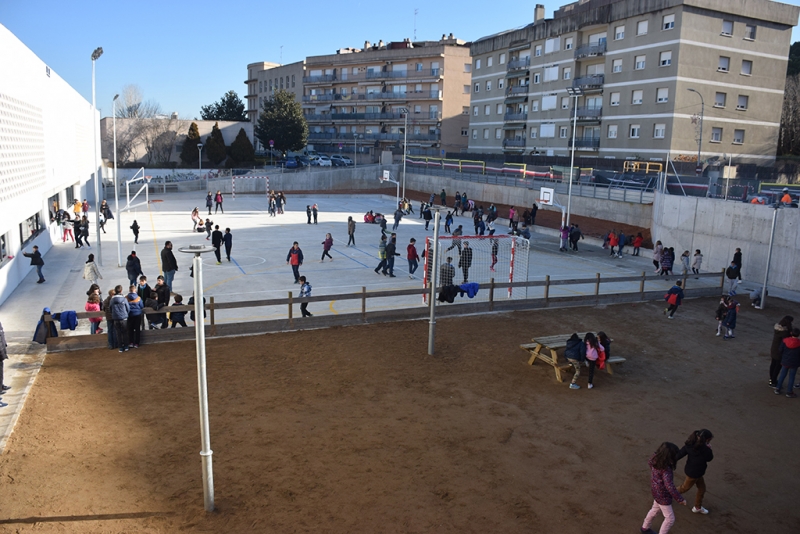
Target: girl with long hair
{"points": [[662, 464]]}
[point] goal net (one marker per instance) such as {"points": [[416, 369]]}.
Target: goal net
{"points": [[479, 259]]}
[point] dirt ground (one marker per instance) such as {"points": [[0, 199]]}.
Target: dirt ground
{"points": [[358, 430]]}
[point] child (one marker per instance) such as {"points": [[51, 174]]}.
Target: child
{"points": [[637, 243], [697, 261], [178, 318], [305, 291], [575, 353], [730, 319], [722, 310], [308, 213], [326, 247], [209, 226], [594, 352], [448, 220], [136, 306], [93, 305], [674, 297], [495, 246], [685, 262], [135, 228], [412, 257], [698, 453], [605, 342], [790, 361], [662, 487]]}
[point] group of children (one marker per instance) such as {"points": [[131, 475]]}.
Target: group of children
{"points": [[592, 351], [664, 260]]}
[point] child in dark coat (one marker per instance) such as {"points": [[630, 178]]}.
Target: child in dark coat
{"points": [[730, 319], [698, 453]]}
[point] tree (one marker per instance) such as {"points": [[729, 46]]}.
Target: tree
{"points": [[189, 154], [281, 120], [229, 108], [242, 149], [158, 136], [215, 146], [789, 142], [132, 106], [794, 60]]}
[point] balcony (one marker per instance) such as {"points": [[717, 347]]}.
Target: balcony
{"points": [[397, 95], [588, 83], [514, 144], [329, 117], [517, 90], [325, 78], [516, 64], [373, 136], [334, 97], [515, 117], [404, 74], [590, 143], [588, 113], [591, 50]]}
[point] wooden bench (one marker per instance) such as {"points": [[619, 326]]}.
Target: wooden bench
{"points": [[551, 344]]}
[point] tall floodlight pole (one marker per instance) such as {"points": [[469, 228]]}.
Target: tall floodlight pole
{"points": [[433, 258], [404, 111], [116, 182], [95, 56], [355, 154], [574, 92], [699, 168], [200, 162], [202, 383], [776, 207]]}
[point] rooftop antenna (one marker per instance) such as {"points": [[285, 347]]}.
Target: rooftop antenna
{"points": [[415, 23]]}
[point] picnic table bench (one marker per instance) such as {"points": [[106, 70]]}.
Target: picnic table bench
{"points": [[540, 346]]}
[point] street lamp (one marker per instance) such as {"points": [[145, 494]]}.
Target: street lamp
{"points": [[433, 257], [776, 207], [573, 92], [95, 56], [699, 168], [200, 162], [202, 382], [404, 111], [116, 182], [355, 153]]}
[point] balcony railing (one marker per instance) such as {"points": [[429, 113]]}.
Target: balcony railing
{"points": [[589, 113], [586, 142], [374, 136], [522, 63], [515, 117], [588, 82], [517, 90], [403, 74], [591, 50], [319, 78], [514, 143]]}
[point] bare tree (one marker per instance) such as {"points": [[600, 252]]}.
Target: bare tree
{"points": [[158, 137], [133, 106]]}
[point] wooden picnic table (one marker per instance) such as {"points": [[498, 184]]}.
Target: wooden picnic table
{"points": [[542, 345]]}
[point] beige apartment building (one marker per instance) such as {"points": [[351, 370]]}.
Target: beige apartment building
{"points": [[264, 78], [636, 77]]}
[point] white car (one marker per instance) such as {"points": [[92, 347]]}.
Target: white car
{"points": [[321, 161]]}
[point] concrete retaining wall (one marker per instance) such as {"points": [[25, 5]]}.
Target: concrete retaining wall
{"points": [[720, 227]]}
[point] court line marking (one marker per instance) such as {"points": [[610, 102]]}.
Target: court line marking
{"points": [[239, 266]]}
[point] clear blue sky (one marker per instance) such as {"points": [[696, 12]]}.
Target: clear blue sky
{"points": [[187, 54]]}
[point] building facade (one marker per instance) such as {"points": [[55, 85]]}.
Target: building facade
{"points": [[264, 79], [47, 155], [637, 79]]}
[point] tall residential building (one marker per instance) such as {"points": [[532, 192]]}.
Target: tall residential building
{"points": [[639, 73], [263, 79]]}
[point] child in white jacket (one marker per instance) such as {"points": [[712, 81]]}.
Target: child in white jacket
{"points": [[90, 270], [697, 261]]}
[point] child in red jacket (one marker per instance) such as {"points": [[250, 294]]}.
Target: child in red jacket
{"points": [[413, 258]]}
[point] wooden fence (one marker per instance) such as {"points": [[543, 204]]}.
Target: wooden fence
{"points": [[402, 313]]}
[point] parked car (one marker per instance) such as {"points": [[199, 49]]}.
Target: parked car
{"points": [[303, 161], [337, 160], [320, 161], [292, 163]]}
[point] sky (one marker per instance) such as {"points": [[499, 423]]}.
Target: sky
{"points": [[185, 54]]}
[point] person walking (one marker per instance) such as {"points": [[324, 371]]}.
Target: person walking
{"points": [[308, 213], [169, 265], [465, 261], [637, 243], [698, 453], [398, 214], [448, 220], [351, 232], [76, 227], [136, 307], [66, 228], [93, 305], [218, 203], [305, 291], [622, 240], [737, 260], [722, 311], [295, 259], [674, 297], [209, 201], [90, 270], [495, 247], [133, 267], [730, 319], [326, 248], [427, 216], [85, 231], [662, 486], [77, 206], [391, 252], [790, 361], [575, 235], [733, 275], [135, 229], [490, 226], [314, 213], [780, 331], [443, 198], [613, 241], [595, 355], [564, 235], [666, 262], [685, 263], [413, 258], [216, 242], [381, 256], [119, 314], [209, 226], [534, 209], [697, 261], [227, 239], [447, 273], [85, 207], [36, 261]]}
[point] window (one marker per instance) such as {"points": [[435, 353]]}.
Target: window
{"points": [[498, 133], [536, 77], [634, 132], [474, 134], [641, 27], [489, 61], [477, 64], [552, 45], [488, 85], [499, 109], [567, 73], [537, 51], [727, 28], [750, 32], [716, 135], [260, 90], [29, 229], [719, 100], [292, 80], [659, 131], [535, 105], [547, 130], [465, 110], [616, 65], [564, 102], [466, 89], [474, 111], [636, 96], [612, 131], [747, 67], [662, 95], [548, 102], [614, 99], [500, 83], [502, 59], [640, 62], [486, 133], [619, 33], [418, 88], [741, 105], [665, 59], [568, 43], [477, 87], [668, 22], [487, 109], [724, 64], [562, 132], [464, 132], [738, 137], [551, 74], [417, 109], [534, 133], [418, 67], [467, 67]]}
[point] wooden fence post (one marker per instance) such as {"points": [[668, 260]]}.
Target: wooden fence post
{"points": [[491, 294], [597, 285], [641, 285], [290, 307], [213, 323], [547, 288], [363, 304]]}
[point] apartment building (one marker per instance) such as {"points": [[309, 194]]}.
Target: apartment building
{"points": [[637, 78], [264, 78]]}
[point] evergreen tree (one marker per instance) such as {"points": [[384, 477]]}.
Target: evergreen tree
{"points": [[282, 121], [242, 149], [229, 108], [189, 154], [215, 146], [794, 59]]}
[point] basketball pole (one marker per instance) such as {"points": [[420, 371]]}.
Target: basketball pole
{"points": [[435, 254]]}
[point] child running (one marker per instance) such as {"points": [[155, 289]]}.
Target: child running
{"points": [[698, 453], [673, 297], [326, 247], [662, 463], [722, 310], [305, 291]]}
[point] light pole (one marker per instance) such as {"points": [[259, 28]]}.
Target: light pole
{"points": [[200, 162], [573, 92], [404, 111], [95, 56], [699, 169], [116, 182], [434, 253], [776, 207], [202, 382], [355, 153]]}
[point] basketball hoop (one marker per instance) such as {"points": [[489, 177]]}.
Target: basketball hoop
{"points": [[547, 196], [148, 178]]}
